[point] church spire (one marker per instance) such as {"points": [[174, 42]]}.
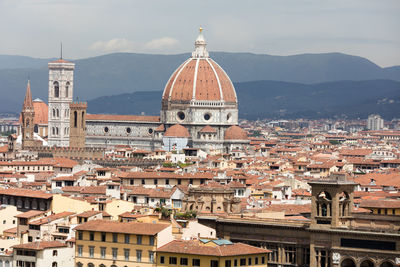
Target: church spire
{"points": [[28, 104], [200, 44]]}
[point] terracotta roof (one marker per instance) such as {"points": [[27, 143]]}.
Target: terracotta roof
{"points": [[236, 184], [122, 227], [72, 188], [89, 213], [388, 204], [65, 178], [177, 130], [51, 218], [29, 214], [11, 230], [164, 175], [380, 179], [160, 128], [235, 133], [107, 117], [40, 245], [208, 129], [41, 112], [25, 193], [197, 248], [199, 79], [290, 209], [4, 149], [95, 190], [65, 162]]}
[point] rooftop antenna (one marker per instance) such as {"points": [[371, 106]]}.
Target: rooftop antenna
{"points": [[61, 51]]}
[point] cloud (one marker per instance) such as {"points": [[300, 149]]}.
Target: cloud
{"points": [[161, 43], [125, 45], [113, 45]]}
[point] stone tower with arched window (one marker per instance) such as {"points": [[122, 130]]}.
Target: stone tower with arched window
{"points": [[332, 201], [27, 115], [77, 126], [61, 77]]}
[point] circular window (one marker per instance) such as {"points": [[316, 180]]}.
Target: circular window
{"points": [[106, 129], [128, 130], [207, 116], [150, 131], [181, 115]]}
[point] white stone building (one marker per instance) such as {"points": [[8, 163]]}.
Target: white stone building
{"points": [[44, 253]]}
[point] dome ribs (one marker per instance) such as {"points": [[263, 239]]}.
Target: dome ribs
{"points": [[204, 90]]}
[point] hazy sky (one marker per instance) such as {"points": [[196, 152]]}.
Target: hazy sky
{"points": [[368, 28]]}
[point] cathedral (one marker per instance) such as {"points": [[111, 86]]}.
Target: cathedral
{"points": [[199, 109]]}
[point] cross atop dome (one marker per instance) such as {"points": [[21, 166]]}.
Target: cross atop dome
{"points": [[200, 44]]}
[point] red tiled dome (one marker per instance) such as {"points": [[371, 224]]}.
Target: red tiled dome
{"points": [[199, 78], [41, 112], [235, 133], [208, 129], [177, 130]]}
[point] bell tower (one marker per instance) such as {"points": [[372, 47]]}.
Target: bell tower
{"points": [[77, 134], [331, 202], [27, 115], [61, 85]]}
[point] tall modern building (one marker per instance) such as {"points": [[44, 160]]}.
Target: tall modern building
{"points": [[375, 122], [61, 82]]}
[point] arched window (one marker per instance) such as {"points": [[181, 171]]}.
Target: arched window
{"points": [[54, 113], [36, 128], [83, 116], [58, 113], [54, 264], [75, 119], [79, 264], [66, 89], [90, 264], [53, 130], [367, 263], [348, 263], [56, 89], [387, 264], [27, 122], [57, 131]]}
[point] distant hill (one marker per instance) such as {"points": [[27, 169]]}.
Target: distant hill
{"points": [[126, 72], [275, 99]]}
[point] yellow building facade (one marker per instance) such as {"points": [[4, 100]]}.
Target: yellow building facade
{"points": [[110, 243]]}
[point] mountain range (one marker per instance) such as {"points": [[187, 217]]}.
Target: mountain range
{"points": [[129, 73], [273, 99]]}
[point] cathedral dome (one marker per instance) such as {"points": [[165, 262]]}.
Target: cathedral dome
{"points": [[235, 133], [41, 112], [177, 130], [199, 79]]}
